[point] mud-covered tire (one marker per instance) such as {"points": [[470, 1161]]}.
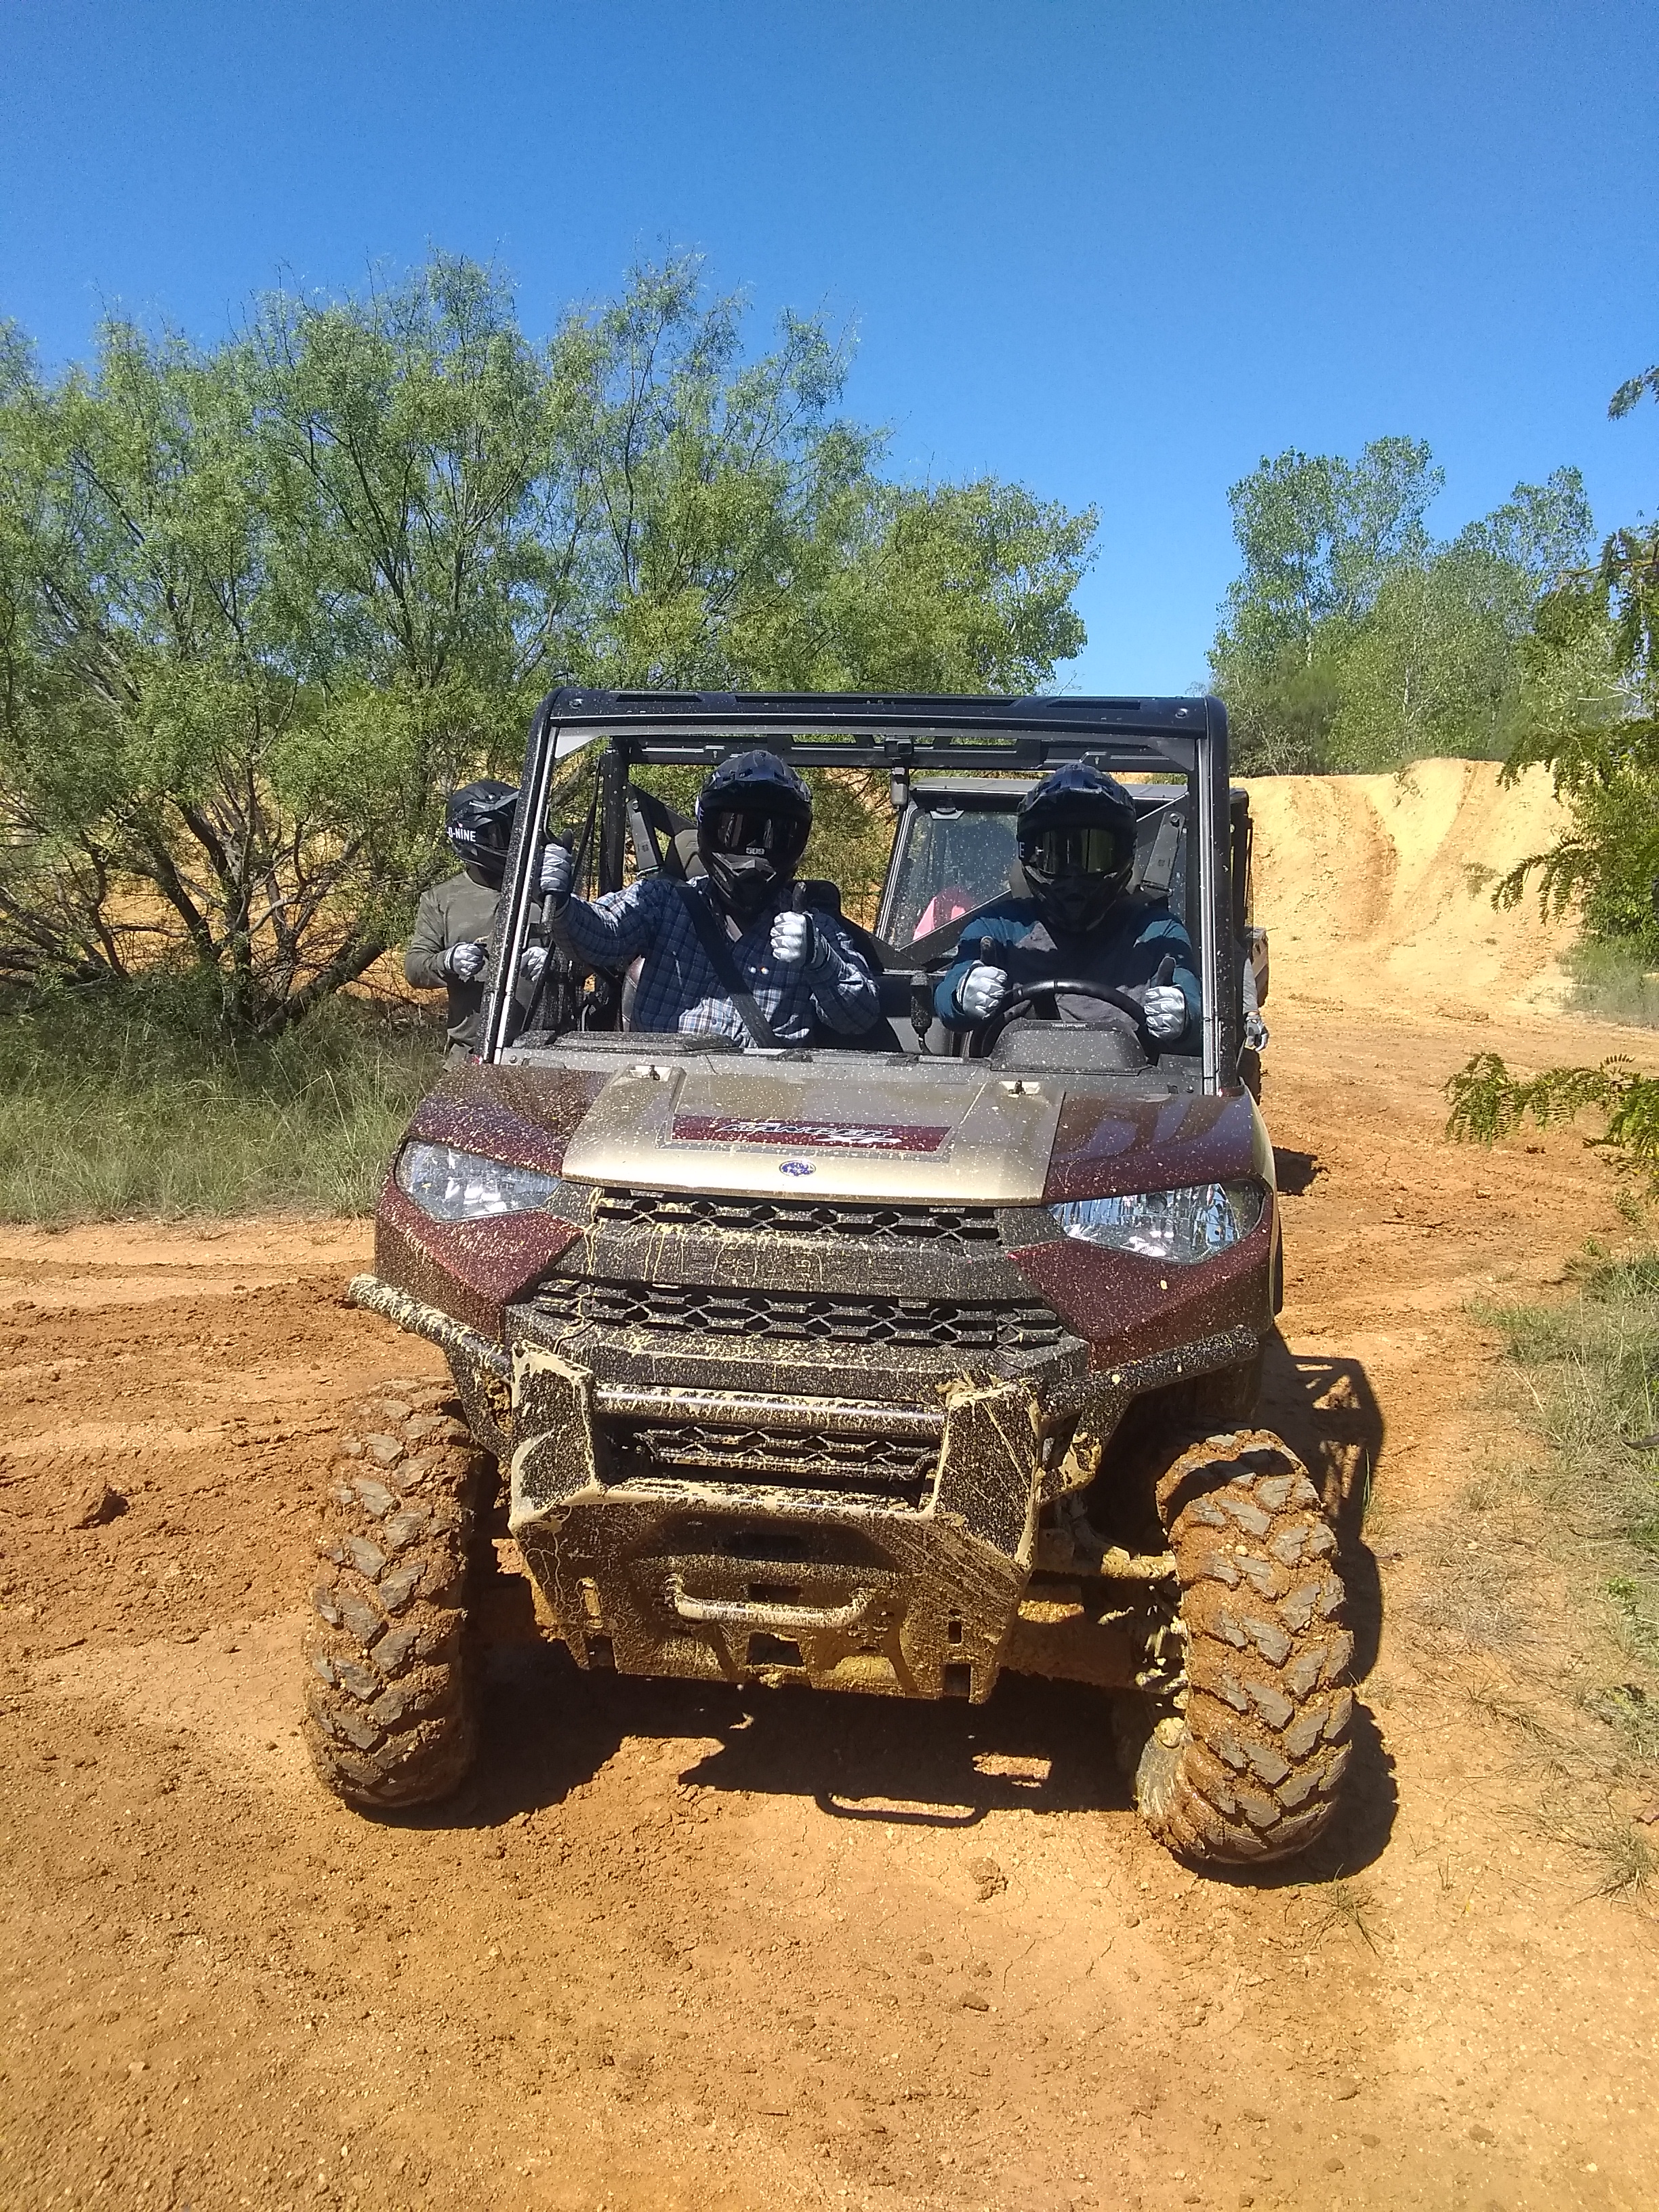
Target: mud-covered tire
{"points": [[390, 1661], [1251, 1772]]}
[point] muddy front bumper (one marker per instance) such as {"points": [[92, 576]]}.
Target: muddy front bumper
{"points": [[864, 1523], [729, 1574]]}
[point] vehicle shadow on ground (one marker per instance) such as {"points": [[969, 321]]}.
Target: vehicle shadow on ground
{"points": [[1326, 1411], [547, 1728]]}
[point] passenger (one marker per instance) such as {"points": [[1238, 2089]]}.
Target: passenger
{"points": [[448, 946], [732, 935], [1076, 832]]}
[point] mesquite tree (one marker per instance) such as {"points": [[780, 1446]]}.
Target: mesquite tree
{"points": [[263, 605]]}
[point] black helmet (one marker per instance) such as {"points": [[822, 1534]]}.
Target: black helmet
{"points": [[754, 816], [478, 822], [1076, 845]]}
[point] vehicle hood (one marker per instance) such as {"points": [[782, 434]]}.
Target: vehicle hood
{"points": [[842, 1128]]}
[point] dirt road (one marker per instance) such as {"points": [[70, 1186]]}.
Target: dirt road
{"points": [[675, 1948]]}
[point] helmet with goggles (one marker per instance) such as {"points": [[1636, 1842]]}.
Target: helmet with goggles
{"points": [[478, 823], [754, 816], [1076, 831]]}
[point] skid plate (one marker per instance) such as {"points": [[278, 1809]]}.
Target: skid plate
{"points": [[727, 1576]]}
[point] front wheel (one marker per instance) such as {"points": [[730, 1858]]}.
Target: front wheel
{"points": [[1250, 1770], [391, 1664]]}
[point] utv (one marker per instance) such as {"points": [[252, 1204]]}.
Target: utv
{"points": [[884, 1368]]}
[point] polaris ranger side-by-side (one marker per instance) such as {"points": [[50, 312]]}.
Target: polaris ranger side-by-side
{"points": [[882, 1366]]}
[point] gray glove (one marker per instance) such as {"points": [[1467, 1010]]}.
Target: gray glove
{"points": [[982, 991], [532, 962], [555, 872], [465, 961], [1166, 1011], [794, 940]]}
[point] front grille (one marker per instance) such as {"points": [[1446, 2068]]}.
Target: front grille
{"points": [[932, 1324], [673, 1209], [889, 1466]]}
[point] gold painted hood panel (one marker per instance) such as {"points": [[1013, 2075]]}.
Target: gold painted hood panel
{"points": [[955, 1135]]}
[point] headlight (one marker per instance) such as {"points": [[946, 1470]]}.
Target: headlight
{"points": [[1181, 1225], [453, 1186]]}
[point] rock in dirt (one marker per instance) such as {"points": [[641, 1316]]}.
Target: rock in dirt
{"points": [[95, 1505], [988, 1877]]}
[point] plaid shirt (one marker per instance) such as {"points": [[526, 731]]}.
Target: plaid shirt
{"points": [[678, 988]]}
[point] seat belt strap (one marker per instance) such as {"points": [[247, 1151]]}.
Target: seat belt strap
{"points": [[717, 950]]}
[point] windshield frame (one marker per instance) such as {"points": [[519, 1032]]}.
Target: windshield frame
{"points": [[902, 733]]}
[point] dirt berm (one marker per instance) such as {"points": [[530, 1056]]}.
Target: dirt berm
{"points": [[674, 1948], [1371, 888]]}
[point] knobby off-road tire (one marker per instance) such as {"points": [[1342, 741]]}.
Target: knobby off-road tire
{"points": [[1251, 1771], [390, 1687]]}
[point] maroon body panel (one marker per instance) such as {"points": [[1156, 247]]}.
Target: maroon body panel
{"points": [[1105, 1146], [1128, 1307], [474, 1270], [471, 1270], [503, 1113]]}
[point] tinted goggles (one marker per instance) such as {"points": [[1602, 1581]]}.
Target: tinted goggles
{"points": [[736, 830], [1077, 851]]}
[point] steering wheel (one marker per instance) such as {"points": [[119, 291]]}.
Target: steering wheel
{"points": [[981, 1039]]}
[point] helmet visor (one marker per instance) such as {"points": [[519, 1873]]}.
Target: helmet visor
{"points": [[1079, 850], [777, 837]]}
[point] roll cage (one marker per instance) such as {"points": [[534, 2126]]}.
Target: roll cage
{"points": [[902, 735]]}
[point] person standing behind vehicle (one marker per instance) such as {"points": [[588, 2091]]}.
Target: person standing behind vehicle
{"points": [[448, 947], [734, 953], [1076, 832]]}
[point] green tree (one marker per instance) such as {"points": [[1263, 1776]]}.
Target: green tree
{"points": [[1353, 640], [1318, 537], [1594, 691], [1438, 664], [1593, 694], [262, 606]]}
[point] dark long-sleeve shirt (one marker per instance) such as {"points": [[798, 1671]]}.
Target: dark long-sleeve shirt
{"points": [[678, 988], [1139, 935], [451, 913]]}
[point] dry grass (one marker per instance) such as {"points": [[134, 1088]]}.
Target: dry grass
{"points": [[1583, 1380], [1614, 983], [122, 1105]]}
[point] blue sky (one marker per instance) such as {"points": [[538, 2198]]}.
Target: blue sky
{"points": [[1118, 252]]}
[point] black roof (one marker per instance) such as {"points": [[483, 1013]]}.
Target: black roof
{"points": [[883, 729]]}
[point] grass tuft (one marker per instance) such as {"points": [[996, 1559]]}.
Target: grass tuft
{"points": [[1588, 1377], [1613, 983], [122, 1104], [1346, 1904]]}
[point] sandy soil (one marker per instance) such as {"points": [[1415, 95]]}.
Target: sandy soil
{"points": [[682, 1950], [1369, 887]]}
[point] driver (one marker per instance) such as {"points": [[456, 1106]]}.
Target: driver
{"points": [[733, 944], [1076, 832]]}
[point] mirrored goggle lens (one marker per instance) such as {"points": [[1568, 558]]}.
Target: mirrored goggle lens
{"points": [[738, 831], [1076, 853]]}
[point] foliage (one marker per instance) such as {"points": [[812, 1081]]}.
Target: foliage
{"points": [[1488, 1103], [129, 1100], [1597, 730], [1353, 640], [1594, 1364], [1586, 1372], [262, 606]]}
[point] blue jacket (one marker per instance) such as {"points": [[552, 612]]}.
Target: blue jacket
{"points": [[1139, 935]]}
